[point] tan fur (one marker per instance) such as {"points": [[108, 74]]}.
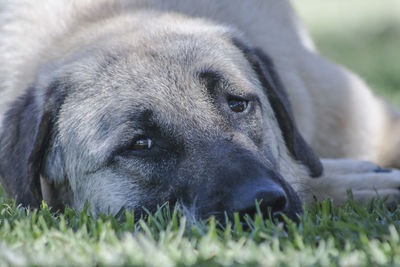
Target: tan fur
{"points": [[334, 109]]}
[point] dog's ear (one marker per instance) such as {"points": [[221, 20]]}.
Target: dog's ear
{"points": [[24, 140], [279, 101]]}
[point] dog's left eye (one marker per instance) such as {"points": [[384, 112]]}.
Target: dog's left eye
{"points": [[142, 144], [237, 104]]}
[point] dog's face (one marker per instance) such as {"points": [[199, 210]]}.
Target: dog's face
{"points": [[194, 117]]}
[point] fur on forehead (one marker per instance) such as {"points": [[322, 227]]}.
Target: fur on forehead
{"points": [[156, 75]]}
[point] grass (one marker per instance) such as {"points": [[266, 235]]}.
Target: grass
{"points": [[366, 41], [352, 235]]}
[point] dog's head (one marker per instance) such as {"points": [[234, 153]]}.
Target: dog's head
{"points": [[186, 114]]}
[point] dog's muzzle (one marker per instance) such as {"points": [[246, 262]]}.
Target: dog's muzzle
{"points": [[237, 180]]}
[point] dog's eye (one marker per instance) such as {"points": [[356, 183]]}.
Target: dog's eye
{"points": [[142, 144], [237, 104]]}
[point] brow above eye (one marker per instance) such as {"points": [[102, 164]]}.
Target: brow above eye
{"points": [[211, 79]]}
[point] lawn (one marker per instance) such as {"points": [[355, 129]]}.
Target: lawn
{"points": [[351, 235], [363, 35]]}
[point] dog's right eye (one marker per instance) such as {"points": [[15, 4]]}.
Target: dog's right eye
{"points": [[142, 144], [237, 104]]}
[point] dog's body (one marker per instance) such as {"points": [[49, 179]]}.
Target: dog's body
{"points": [[90, 76]]}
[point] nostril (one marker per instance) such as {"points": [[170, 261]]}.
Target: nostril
{"points": [[271, 202], [275, 200]]}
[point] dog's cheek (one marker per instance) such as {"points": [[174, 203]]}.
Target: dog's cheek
{"points": [[54, 167], [272, 142], [107, 192], [275, 150], [253, 128]]}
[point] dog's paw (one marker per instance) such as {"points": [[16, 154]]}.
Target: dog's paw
{"points": [[365, 179]]}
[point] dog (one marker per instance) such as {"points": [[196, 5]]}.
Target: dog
{"points": [[215, 105]]}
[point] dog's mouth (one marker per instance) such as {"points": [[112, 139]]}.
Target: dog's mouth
{"points": [[263, 197]]}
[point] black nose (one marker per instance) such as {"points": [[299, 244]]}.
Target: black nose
{"points": [[270, 196]]}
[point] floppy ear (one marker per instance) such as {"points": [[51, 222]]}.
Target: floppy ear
{"points": [[279, 101], [23, 143]]}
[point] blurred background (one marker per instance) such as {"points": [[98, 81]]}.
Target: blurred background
{"points": [[363, 35]]}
